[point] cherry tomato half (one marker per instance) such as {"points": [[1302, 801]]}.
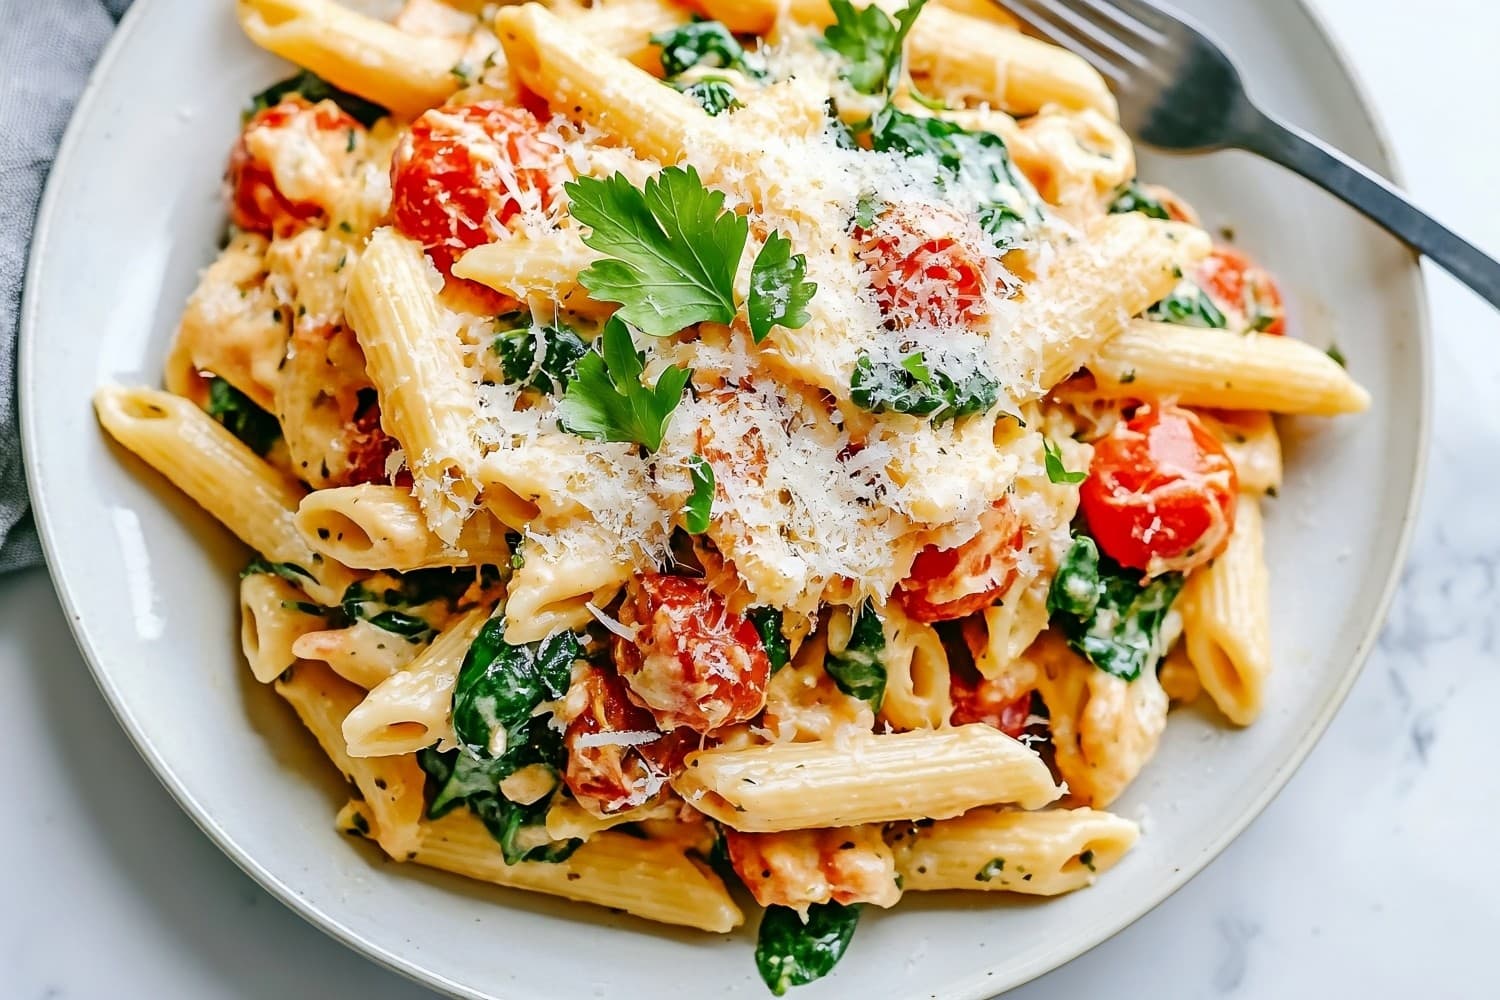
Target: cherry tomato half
{"points": [[462, 174], [608, 776], [952, 583], [256, 204], [1161, 492], [924, 266], [693, 662], [976, 698], [1237, 283]]}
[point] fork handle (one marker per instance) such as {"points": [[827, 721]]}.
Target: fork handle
{"points": [[1375, 197]]}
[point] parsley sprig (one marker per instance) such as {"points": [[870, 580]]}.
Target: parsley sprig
{"points": [[606, 400], [673, 250], [871, 42]]}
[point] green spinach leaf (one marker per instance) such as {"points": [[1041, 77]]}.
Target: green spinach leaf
{"points": [[705, 43], [1106, 613], [767, 622], [500, 686], [859, 668], [1133, 198], [454, 778], [542, 357], [1188, 305], [241, 416], [714, 94], [314, 88], [790, 953], [290, 572], [915, 387]]}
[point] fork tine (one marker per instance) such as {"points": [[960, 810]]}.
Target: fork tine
{"points": [[1146, 20], [1053, 23], [1088, 27]]}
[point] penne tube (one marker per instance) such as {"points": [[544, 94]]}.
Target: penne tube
{"points": [[649, 879], [361, 653], [1219, 368], [412, 708], [1036, 853], [557, 581], [523, 265], [392, 786], [223, 476], [427, 402], [567, 820], [382, 527], [272, 621], [864, 779], [406, 73], [1125, 264], [1226, 619], [918, 681]]}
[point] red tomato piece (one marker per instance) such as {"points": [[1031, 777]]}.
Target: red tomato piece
{"points": [[462, 174], [924, 266], [369, 447], [256, 204], [617, 757], [976, 698], [694, 662], [952, 583], [1237, 283], [1161, 492]]}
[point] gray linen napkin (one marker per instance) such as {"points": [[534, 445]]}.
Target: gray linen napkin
{"points": [[47, 48]]}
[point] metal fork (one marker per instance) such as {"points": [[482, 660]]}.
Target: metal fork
{"points": [[1178, 90]]}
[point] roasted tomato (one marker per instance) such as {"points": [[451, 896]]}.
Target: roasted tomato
{"points": [[801, 867], [617, 757], [462, 174], [304, 130], [693, 662], [1161, 492], [976, 698], [369, 445], [1238, 285], [953, 583], [924, 266]]}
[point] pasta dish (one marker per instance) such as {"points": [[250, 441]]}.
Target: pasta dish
{"points": [[749, 449]]}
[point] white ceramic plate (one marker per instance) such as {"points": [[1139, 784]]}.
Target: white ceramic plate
{"points": [[133, 210]]}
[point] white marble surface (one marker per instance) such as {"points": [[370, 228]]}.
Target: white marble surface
{"points": [[1371, 875]]}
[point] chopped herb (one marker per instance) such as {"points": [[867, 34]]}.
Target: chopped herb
{"points": [[1106, 613], [704, 43], [871, 43], [606, 401], [866, 210], [1272, 492], [1337, 356], [314, 89], [463, 73], [1056, 473], [1188, 305], [671, 248], [789, 952], [768, 622], [700, 503], [290, 572], [859, 668], [542, 357], [500, 685], [779, 289], [361, 825], [401, 623], [1128, 377], [1087, 860], [241, 416], [1133, 198], [912, 386], [991, 868]]}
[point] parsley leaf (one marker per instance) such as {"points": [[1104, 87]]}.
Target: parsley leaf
{"points": [[779, 291], [1056, 472], [241, 416], [314, 88], [1107, 615], [871, 43], [606, 401], [701, 502], [1133, 198], [913, 386], [672, 248]]}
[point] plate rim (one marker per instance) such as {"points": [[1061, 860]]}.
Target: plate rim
{"points": [[976, 987]]}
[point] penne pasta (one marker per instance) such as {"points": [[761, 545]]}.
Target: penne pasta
{"points": [[382, 527]]}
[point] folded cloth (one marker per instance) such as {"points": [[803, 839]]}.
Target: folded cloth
{"points": [[47, 48]]}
